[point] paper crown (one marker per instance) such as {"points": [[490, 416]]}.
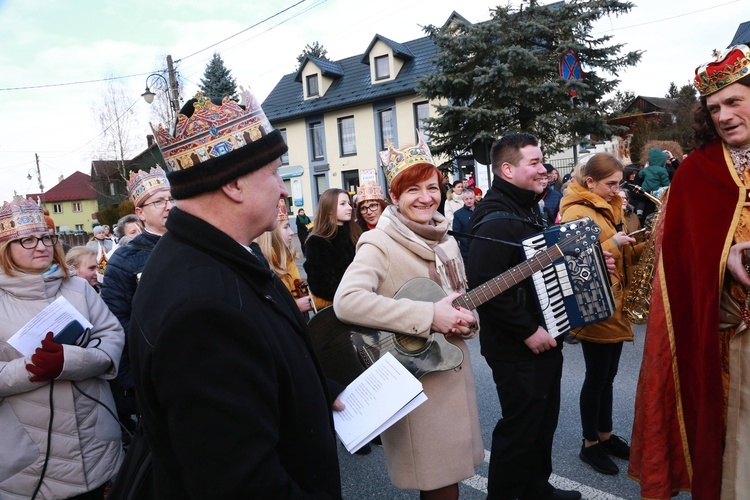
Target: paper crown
{"points": [[142, 184], [213, 144], [395, 161], [20, 218], [283, 215], [369, 191], [729, 66]]}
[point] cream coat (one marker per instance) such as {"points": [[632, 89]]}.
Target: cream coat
{"points": [[86, 450], [440, 442], [580, 202]]}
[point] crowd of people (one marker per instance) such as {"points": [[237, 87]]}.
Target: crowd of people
{"points": [[198, 343]]}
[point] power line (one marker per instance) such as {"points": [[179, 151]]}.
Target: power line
{"points": [[73, 83], [670, 18]]}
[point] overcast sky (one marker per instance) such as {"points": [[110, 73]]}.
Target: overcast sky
{"points": [[52, 42]]}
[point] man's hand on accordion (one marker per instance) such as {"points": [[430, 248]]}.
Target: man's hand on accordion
{"points": [[609, 259], [540, 341]]}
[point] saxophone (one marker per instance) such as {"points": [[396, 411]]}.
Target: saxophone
{"points": [[638, 298]]}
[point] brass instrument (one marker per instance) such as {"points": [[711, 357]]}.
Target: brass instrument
{"points": [[638, 298]]}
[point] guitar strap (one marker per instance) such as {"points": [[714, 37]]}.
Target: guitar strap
{"points": [[496, 216]]}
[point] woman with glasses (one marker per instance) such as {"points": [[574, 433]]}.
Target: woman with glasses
{"points": [[330, 247], [370, 205], [59, 437], [595, 194]]}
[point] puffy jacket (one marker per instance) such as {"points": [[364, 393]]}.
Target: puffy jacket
{"points": [[86, 450], [580, 202]]}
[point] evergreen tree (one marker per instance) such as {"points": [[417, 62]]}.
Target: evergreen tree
{"points": [[502, 75], [314, 50], [217, 81]]}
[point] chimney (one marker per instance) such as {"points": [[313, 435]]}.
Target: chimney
{"points": [[149, 140]]}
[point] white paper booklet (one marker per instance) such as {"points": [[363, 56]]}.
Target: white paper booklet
{"points": [[377, 399], [53, 318]]}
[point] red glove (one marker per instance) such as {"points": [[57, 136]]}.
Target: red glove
{"points": [[47, 360]]}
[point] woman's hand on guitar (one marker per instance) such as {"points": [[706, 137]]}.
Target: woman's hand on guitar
{"points": [[450, 320]]}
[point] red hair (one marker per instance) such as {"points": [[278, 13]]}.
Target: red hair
{"points": [[414, 175]]}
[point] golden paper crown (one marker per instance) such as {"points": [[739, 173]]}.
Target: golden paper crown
{"points": [[20, 218], [211, 131], [142, 184], [395, 161], [729, 66], [283, 215], [369, 191]]}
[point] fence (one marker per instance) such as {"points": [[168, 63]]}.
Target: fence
{"points": [[76, 239]]}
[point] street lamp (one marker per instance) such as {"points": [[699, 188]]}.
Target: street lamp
{"points": [[148, 96]]}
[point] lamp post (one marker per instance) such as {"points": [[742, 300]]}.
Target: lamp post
{"points": [[171, 89]]}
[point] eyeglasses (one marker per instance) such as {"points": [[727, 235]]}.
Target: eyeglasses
{"points": [[48, 240], [372, 207], [159, 204]]}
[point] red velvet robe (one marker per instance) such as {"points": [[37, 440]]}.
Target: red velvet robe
{"points": [[678, 430]]}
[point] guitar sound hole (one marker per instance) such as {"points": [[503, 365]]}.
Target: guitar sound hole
{"points": [[410, 342]]}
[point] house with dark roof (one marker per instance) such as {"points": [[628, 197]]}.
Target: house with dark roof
{"points": [[337, 115], [644, 108], [72, 203]]}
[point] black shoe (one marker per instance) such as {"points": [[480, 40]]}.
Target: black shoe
{"points": [[365, 450], [570, 339], [596, 456], [565, 495], [617, 447]]}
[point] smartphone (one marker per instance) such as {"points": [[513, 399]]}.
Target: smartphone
{"points": [[70, 333], [636, 232]]}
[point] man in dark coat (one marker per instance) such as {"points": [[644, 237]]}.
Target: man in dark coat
{"points": [[149, 192], [233, 401], [462, 223], [302, 221], [526, 361]]}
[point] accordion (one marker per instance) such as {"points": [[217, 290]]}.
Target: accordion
{"points": [[575, 289]]}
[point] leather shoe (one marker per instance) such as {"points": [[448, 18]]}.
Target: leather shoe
{"points": [[617, 447], [596, 456], [565, 495]]}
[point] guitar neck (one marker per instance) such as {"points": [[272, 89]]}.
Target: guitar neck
{"points": [[510, 278]]}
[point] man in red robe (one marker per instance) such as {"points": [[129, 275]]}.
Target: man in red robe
{"points": [[687, 434]]}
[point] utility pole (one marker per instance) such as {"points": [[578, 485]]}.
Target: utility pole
{"points": [[39, 177], [174, 98]]}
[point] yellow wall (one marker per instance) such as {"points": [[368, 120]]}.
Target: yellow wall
{"points": [[70, 218]]}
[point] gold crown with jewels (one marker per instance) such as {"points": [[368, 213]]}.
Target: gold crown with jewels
{"points": [[395, 160], [728, 67]]}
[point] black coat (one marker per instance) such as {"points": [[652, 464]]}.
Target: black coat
{"points": [[234, 403], [511, 317], [326, 261]]}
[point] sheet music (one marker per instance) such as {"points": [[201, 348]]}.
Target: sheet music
{"points": [[52, 318]]}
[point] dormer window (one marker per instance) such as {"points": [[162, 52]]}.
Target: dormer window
{"points": [[382, 68], [312, 85]]}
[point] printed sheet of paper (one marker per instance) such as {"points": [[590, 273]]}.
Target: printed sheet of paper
{"points": [[377, 399], [53, 318]]}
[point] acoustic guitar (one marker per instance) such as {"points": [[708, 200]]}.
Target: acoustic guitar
{"points": [[345, 351]]}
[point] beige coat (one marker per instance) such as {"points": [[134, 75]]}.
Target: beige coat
{"points": [[440, 442]]}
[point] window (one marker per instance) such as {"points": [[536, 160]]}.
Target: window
{"points": [[347, 140], [350, 179], [57, 208], [79, 227], [320, 185], [382, 69], [76, 206], [288, 187], [312, 85], [285, 156], [317, 140], [422, 112], [385, 127], [111, 188]]}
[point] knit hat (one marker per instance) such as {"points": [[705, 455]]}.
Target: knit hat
{"points": [[20, 218], [215, 143], [98, 230], [657, 157], [549, 167]]}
